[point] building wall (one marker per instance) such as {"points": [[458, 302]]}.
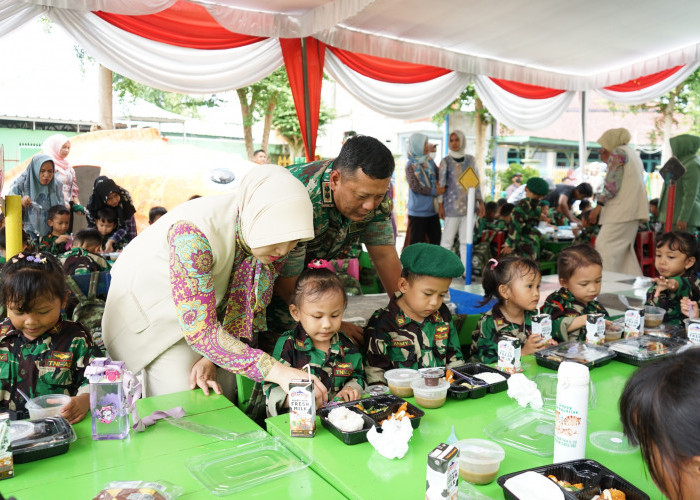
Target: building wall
{"points": [[21, 144]]}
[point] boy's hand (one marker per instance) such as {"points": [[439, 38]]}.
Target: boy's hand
{"points": [[689, 308], [76, 409], [109, 246], [63, 238], [665, 284], [348, 394], [533, 344]]}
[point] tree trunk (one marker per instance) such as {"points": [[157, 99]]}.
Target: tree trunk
{"points": [[267, 126], [105, 119], [480, 125], [246, 108]]}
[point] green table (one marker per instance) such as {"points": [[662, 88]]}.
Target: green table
{"points": [[159, 453], [360, 472]]}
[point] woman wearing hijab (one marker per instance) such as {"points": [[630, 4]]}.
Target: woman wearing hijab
{"points": [[40, 190], [686, 208], [57, 147], [106, 193], [421, 174], [453, 204], [190, 293], [623, 205]]}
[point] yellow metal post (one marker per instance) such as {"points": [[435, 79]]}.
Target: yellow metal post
{"points": [[13, 225]]}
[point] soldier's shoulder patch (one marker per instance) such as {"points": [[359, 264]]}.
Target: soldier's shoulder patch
{"points": [[4, 356], [299, 344], [400, 320], [401, 343], [499, 322]]}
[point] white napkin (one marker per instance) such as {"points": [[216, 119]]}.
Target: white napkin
{"points": [[392, 442], [533, 486], [524, 391]]}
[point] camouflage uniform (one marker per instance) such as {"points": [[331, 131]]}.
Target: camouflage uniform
{"points": [[394, 340], [334, 238], [586, 235], [493, 326], [340, 367], [523, 237], [564, 308], [79, 261], [688, 286], [48, 244], [53, 363]]}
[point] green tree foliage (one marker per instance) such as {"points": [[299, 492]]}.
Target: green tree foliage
{"points": [[286, 123], [181, 104], [506, 175]]}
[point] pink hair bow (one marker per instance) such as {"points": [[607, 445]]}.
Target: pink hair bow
{"points": [[320, 264]]}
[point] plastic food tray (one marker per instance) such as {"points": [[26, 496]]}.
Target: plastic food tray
{"points": [[666, 330], [594, 476], [371, 420], [526, 429], [639, 350], [40, 438], [243, 466], [579, 352], [460, 392]]}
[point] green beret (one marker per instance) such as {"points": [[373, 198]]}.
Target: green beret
{"points": [[431, 260], [538, 186]]}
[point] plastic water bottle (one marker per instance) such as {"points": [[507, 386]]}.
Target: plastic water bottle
{"points": [[571, 412], [109, 410]]}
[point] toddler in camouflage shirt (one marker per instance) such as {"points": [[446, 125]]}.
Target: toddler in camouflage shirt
{"points": [[41, 353], [317, 304], [415, 330]]}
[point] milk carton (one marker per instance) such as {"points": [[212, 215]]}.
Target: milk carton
{"points": [[302, 408], [509, 351], [542, 325], [7, 468], [595, 328], [634, 322], [442, 474]]}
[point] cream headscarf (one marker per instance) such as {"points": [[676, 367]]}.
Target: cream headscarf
{"points": [[459, 154], [274, 207], [614, 138]]}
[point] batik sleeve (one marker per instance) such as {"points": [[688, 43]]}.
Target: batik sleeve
{"points": [[192, 286]]}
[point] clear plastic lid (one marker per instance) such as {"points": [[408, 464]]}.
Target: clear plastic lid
{"points": [[244, 466], [479, 450], [612, 441], [41, 434], [401, 377], [525, 429], [579, 352], [646, 346]]}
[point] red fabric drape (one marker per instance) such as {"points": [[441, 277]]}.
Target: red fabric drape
{"points": [[184, 24], [388, 70], [525, 90], [292, 53], [644, 81]]}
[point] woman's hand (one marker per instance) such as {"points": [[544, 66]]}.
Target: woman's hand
{"points": [[689, 308], [681, 225], [203, 375], [440, 190], [282, 374], [353, 332], [441, 211], [76, 409], [347, 393], [533, 344], [26, 201]]}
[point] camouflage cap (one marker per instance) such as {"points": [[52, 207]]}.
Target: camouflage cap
{"points": [[431, 260]]}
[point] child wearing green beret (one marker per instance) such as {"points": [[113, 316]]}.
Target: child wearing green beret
{"points": [[415, 330], [523, 237]]}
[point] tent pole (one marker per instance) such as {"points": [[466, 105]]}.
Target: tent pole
{"points": [[582, 149], [494, 136], [307, 108]]}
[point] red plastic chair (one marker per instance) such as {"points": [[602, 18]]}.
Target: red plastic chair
{"points": [[644, 246], [499, 239]]}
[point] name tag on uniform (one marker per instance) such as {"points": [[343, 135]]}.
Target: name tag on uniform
{"points": [[59, 360], [342, 370], [401, 343], [442, 332]]}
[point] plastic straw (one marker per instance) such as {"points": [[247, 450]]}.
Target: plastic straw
{"points": [[308, 368]]}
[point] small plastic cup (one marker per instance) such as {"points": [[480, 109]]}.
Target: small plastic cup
{"points": [[46, 406], [653, 316], [613, 331], [430, 396], [431, 375], [399, 381], [479, 460]]}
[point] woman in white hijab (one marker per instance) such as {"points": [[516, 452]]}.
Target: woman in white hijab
{"points": [[623, 205], [453, 204], [190, 292]]}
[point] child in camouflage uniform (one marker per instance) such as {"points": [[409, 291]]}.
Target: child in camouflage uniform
{"points": [[317, 304], [415, 330], [523, 237], [675, 261], [57, 241], [83, 258], [41, 353], [515, 282], [585, 235], [580, 270]]}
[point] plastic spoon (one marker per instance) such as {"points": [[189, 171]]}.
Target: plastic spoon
{"points": [[21, 393]]}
